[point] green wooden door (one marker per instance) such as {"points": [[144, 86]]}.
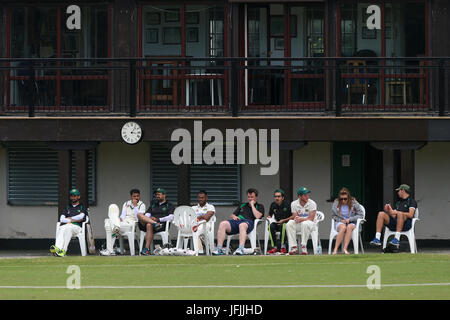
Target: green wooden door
{"points": [[348, 168]]}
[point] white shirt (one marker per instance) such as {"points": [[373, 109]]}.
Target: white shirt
{"points": [[129, 212], [200, 211], [303, 211]]}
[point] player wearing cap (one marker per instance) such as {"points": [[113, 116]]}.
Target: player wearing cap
{"points": [[154, 220], [281, 212], [71, 219], [115, 224], [303, 212], [398, 219]]}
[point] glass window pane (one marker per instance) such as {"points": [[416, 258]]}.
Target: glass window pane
{"points": [[161, 34], [33, 32]]}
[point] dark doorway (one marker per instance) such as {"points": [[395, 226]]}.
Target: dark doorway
{"points": [[373, 190], [359, 167]]}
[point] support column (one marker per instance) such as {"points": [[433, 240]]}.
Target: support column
{"points": [[407, 165], [287, 173], [65, 177], [388, 176], [81, 175], [404, 164], [287, 166]]}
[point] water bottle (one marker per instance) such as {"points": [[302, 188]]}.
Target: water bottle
{"points": [[319, 249]]}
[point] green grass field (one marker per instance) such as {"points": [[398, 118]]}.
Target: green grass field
{"points": [[228, 277]]}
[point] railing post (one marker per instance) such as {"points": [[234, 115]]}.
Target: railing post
{"points": [[441, 88], [32, 91], [234, 88], [132, 88], [337, 90]]}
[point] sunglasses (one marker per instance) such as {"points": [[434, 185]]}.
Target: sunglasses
{"points": [[343, 199]]}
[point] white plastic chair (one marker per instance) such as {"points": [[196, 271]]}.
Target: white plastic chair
{"points": [[163, 234], [314, 234], [409, 234], [356, 234], [267, 233], [209, 236], [185, 219], [131, 236], [81, 235], [252, 236]]}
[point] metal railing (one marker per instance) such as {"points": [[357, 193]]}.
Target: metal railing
{"points": [[225, 86]]}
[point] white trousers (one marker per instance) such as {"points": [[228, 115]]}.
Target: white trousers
{"points": [[203, 230], [114, 225], [65, 234], [305, 228]]}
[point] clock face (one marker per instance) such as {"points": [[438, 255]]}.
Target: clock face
{"points": [[131, 132]]}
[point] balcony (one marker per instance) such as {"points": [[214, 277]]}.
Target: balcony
{"points": [[171, 85]]}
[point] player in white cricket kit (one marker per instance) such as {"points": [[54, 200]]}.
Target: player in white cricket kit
{"points": [[204, 212], [115, 224], [303, 211], [71, 221]]}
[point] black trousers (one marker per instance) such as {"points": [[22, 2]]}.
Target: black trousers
{"points": [[273, 229]]}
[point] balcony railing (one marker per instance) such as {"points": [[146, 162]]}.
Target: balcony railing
{"points": [[167, 85]]}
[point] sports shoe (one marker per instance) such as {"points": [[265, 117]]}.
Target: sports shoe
{"points": [[53, 250], [218, 252], [60, 253], [304, 251], [395, 242], [293, 251], [145, 252], [239, 252], [375, 242], [106, 252], [283, 251], [272, 251]]}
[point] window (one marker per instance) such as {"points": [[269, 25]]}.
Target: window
{"points": [[165, 36], [33, 175], [221, 182], [34, 34], [390, 82]]}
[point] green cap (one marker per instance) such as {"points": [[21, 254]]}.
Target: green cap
{"points": [[302, 191], [280, 191], [75, 192], [163, 191], [404, 187]]}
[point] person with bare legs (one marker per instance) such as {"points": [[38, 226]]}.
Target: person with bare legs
{"points": [[241, 222], [345, 212], [398, 219]]}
